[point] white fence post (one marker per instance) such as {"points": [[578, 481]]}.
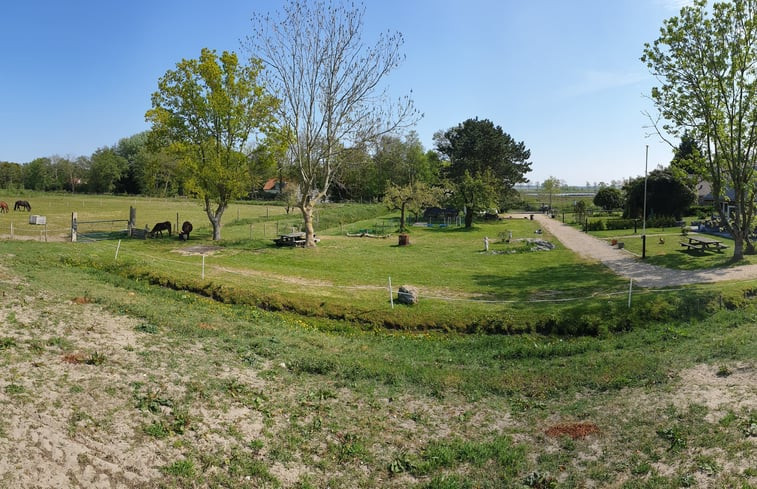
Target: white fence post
{"points": [[391, 294]]}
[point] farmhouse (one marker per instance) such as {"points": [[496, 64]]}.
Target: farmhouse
{"points": [[274, 186]]}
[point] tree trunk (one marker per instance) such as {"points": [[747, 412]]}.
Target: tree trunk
{"points": [[215, 218], [307, 217], [738, 248], [402, 218], [469, 217]]}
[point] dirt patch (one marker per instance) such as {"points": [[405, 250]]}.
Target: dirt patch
{"points": [[198, 250], [573, 430], [720, 389]]}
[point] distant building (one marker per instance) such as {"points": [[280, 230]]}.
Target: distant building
{"points": [[274, 186]]}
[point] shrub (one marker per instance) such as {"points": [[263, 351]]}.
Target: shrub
{"points": [[613, 224], [598, 225]]}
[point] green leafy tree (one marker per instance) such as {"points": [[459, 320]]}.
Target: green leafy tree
{"points": [[106, 167], [135, 150], [162, 175], [687, 157], [666, 195], [485, 163], [609, 198], [331, 86], [357, 177], [67, 173], [549, 187], [207, 110], [580, 210], [409, 197], [11, 175], [38, 174], [706, 62]]}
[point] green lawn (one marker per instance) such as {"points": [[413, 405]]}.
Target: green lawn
{"points": [[509, 288]]}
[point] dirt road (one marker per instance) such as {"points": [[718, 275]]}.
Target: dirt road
{"points": [[627, 265]]}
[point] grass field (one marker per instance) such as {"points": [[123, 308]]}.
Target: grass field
{"points": [[509, 289], [105, 380]]}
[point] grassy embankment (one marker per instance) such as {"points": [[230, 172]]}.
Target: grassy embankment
{"points": [[230, 396]]}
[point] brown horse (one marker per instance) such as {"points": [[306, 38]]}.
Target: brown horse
{"points": [[160, 227], [3, 207], [22, 204]]}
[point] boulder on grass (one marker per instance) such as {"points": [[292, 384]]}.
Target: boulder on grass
{"points": [[407, 295]]}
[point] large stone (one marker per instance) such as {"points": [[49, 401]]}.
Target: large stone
{"points": [[407, 295]]}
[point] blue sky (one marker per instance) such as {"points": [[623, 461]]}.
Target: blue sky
{"points": [[563, 77]]}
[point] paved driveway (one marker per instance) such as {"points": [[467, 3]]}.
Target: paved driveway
{"points": [[627, 265]]}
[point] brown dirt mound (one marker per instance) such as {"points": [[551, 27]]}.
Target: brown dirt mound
{"points": [[573, 430]]}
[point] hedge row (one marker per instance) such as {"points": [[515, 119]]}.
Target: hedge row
{"points": [[613, 224]]}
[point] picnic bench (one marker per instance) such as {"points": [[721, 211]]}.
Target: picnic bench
{"points": [[292, 239], [697, 243]]}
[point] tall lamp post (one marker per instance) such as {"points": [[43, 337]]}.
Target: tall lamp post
{"points": [[644, 217]]}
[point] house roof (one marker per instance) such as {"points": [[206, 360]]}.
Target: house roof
{"points": [[271, 184]]}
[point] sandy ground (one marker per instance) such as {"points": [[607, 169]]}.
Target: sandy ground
{"points": [[627, 265]]}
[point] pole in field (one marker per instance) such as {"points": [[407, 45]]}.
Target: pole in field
{"points": [[644, 225], [391, 294], [630, 292], [74, 225], [203, 267], [118, 247]]}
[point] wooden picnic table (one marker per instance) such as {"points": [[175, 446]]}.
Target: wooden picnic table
{"points": [[292, 239], [699, 243]]}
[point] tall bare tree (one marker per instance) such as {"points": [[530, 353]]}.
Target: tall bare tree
{"points": [[331, 87]]}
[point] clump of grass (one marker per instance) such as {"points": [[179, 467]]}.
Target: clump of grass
{"points": [[152, 401], [181, 468], [675, 436], [537, 480], [96, 358], [724, 371], [147, 328], [14, 389]]}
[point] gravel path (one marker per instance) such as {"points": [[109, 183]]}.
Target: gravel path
{"points": [[627, 265]]}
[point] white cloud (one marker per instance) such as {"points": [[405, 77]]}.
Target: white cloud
{"points": [[674, 5], [593, 81]]}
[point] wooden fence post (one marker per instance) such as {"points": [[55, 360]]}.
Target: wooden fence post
{"points": [[132, 220], [74, 226]]}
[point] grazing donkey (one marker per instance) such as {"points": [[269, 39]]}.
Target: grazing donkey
{"points": [[160, 227], [186, 228]]}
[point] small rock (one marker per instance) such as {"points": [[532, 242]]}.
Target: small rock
{"points": [[407, 295]]}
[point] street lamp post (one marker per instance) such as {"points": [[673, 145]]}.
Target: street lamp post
{"points": [[644, 217]]}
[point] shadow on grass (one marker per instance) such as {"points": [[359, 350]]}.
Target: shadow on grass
{"points": [[558, 282], [695, 260]]}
